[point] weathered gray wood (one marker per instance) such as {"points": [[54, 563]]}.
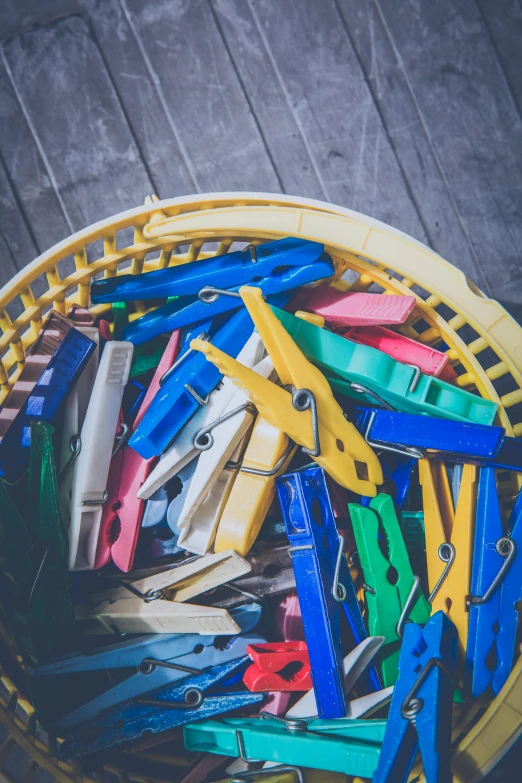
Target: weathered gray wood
{"points": [[473, 123], [267, 93], [29, 177], [17, 247], [206, 101], [410, 138], [504, 22], [82, 136], [333, 105]]}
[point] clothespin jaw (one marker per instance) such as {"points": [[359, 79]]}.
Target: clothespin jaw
{"points": [[174, 705], [344, 308], [278, 666], [342, 745], [452, 441], [224, 272], [214, 301], [386, 602], [157, 660], [449, 542], [496, 587], [354, 665], [267, 455], [362, 372], [307, 421], [43, 403], [123, 512], [404, 349], [323, 582], [421, 708], [187, 581], [51, 335], [271, 576], [186, 389]]}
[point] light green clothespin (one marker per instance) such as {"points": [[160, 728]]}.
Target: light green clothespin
{"points": [[390, 604], [341, 745], [363, 372]]}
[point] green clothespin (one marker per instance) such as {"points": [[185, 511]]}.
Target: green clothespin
{"points": [[147, 356], [341, 745], [16, 544], [386, 601], [120, 319], [50, 600], [345, 363], [41, 613]]}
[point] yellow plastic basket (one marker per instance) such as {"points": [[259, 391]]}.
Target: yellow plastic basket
{"points": [[483, 342]]}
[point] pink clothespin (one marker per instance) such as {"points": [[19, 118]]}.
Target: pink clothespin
{"points": [[342, 308], [123, 511], [289, 626], [427, 359]]}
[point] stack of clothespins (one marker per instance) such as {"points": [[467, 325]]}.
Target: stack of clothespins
{"points": [[247, 513]]}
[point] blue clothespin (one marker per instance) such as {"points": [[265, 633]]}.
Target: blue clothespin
{"points": [[455, 441], [324, 584], [397, 471], [161, 659], [496, 587], [51, 389], [231, 269], [186, 388], [213, 300], [174, 705], [421, 706]]}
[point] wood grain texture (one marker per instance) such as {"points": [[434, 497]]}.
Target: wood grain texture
{"points": [[409, 112], [88, 149], [205, 98], [461, 93]]}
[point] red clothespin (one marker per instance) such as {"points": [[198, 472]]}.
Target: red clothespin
{"points": [[342, 308], [289, 626], [123, 511], [401, 348], [270, 660]]}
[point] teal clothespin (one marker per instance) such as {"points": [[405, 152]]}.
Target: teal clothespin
{"points": [[389, 603], [340, 745], [362, 372]]}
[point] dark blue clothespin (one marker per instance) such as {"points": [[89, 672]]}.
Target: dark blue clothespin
{"points": [[160, 659], [397, 471], [51, 389], [496, 587], [242, 267], [421, 706], [186, 388], [455, 441], [324, 584], [195, 698], [213, 300]]}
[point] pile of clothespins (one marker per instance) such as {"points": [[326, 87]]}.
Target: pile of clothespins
{"points": [[245, 513]]}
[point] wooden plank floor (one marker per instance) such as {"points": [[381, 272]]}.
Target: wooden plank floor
{"points": [[408, 111]]}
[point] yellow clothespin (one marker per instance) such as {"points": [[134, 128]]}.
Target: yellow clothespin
{"points": [[308, 414], [268, 453], [449, 541]]}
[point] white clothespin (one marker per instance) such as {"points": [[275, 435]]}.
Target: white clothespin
{"points": [[183, 450], [199, 536], [73, 418], [91, 469], [186, 581], [225, 437], [134, 615], [354, 664]]}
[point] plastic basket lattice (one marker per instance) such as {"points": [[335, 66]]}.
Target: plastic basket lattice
{"points": [[483, 342]]}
